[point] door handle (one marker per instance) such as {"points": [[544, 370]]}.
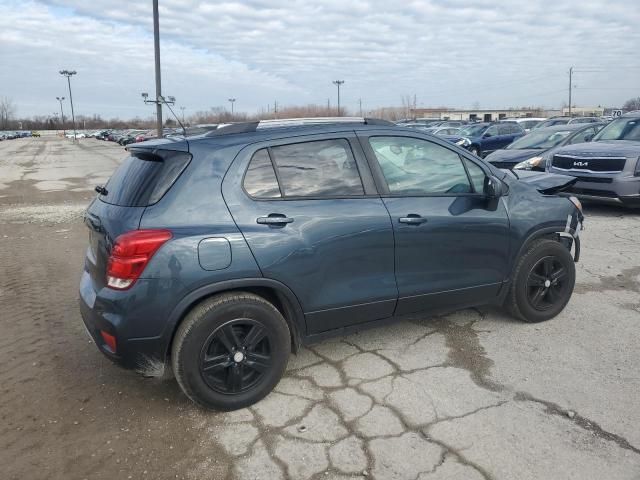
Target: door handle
{"points": [[412, 219], [274, 219]]}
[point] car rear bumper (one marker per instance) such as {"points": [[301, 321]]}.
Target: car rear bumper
{"points": [[102, 313]]}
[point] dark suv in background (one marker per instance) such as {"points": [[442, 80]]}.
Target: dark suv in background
{"points": [[483, 138], [608, 168], [220, 254]]}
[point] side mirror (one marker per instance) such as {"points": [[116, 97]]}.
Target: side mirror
{"points": [[493, 187], [589, 137], [487, 135]]}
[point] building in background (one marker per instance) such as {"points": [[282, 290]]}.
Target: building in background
{"points": [[483, 115]]}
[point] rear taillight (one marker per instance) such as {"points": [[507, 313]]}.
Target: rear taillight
{"points": [[130, 254]]}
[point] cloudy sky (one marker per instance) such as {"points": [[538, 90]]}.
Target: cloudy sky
{"points": [[446, 52]]}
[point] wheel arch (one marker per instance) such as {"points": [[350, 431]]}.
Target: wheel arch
{"points": [[271, 290]]}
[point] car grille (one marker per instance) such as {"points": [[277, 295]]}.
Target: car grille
{"points": [[592, 164]]}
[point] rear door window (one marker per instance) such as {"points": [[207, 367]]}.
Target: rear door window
{"points": [[324, 168], [143, 178]]}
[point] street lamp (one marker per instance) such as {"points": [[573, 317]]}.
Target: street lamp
{"points": [[182, 108], [337, 83], [60, 99], [232, 101], [69, 74]]}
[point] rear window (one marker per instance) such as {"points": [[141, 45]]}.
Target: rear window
{"points": [[143, 179]]}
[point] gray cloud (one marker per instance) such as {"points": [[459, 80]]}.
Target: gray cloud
{"points": [[446, 52]]}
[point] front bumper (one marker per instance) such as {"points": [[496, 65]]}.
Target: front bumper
{"points": [[106, 310], [619, 189]]}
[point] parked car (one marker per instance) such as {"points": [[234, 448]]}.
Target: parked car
{"points": [[223, 253], [532, 151], [483, 138], [584, 120], [550, 122], [608, 168], [35, 134], [527, 123]]}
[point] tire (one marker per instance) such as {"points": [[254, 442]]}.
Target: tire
{"points": [[475, 151], [539, 291], [214, 334]]}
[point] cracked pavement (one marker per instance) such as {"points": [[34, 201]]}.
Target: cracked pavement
{"points": [[470, 395]]}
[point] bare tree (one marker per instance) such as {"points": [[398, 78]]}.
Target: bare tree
{"points": [[7, 110], [631, 104]]}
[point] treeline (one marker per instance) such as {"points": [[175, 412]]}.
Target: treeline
{"points": [[213, 115]]}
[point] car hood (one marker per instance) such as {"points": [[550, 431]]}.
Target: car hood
{"points": [[547, 183], [604, 148], [513, 156]]}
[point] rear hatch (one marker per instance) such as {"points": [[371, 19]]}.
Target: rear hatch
{"points": [[142, 179]]}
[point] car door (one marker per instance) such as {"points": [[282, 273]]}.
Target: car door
{"points": [[452, 242], [490, 140], [310, 214]]}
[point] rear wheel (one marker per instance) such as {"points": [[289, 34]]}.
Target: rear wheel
{"points": [[542, 283], [230, 351]]}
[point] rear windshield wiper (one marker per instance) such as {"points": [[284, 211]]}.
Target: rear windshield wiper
{"points": [[101, 190]]}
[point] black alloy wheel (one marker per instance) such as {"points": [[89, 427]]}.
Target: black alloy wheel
{"points": [[236, 356], [545, 284]]}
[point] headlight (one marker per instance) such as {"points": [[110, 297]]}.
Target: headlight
{"points": [[463, 142], [530, 163], [576, 202]]}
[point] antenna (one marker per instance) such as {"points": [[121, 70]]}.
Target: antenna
{"points": [[173, 100]]}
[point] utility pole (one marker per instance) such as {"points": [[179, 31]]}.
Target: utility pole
{"points": [[328, 107], [360, 103], [182, 108], [156, 46], [570, 87], [232, 101], [337, 83], [275, 109], [60, 99], [69, 74]]}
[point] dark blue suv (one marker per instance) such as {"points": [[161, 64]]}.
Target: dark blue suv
{"points": [[483, 138], [220, 254]]}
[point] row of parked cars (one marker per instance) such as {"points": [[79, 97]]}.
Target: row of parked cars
{"points": [[603, 157], [11, 135]]}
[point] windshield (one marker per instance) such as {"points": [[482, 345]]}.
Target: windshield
{"points": [[539, 140], [473, 130], [621, 129]]}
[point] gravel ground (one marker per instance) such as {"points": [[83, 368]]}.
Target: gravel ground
{"points": [[471, 395]]}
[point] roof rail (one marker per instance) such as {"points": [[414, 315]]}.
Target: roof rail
{"points": [[246, 127]]}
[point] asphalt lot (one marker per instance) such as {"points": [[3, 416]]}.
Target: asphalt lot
{"points": [[470, 395]]}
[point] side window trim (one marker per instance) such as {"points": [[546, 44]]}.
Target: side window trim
{"points": [[275, 170]]}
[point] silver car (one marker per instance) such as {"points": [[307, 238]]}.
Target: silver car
{"points": [[608, 168]]}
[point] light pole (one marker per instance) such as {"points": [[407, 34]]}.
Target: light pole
{"points": [[232, 101], [337, 83], [68, 74], [570, 88], [156, 45], [182, 108], [60, 99]]}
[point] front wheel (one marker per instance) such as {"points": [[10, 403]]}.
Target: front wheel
{"points": [[230, 351], [542, 283]]}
